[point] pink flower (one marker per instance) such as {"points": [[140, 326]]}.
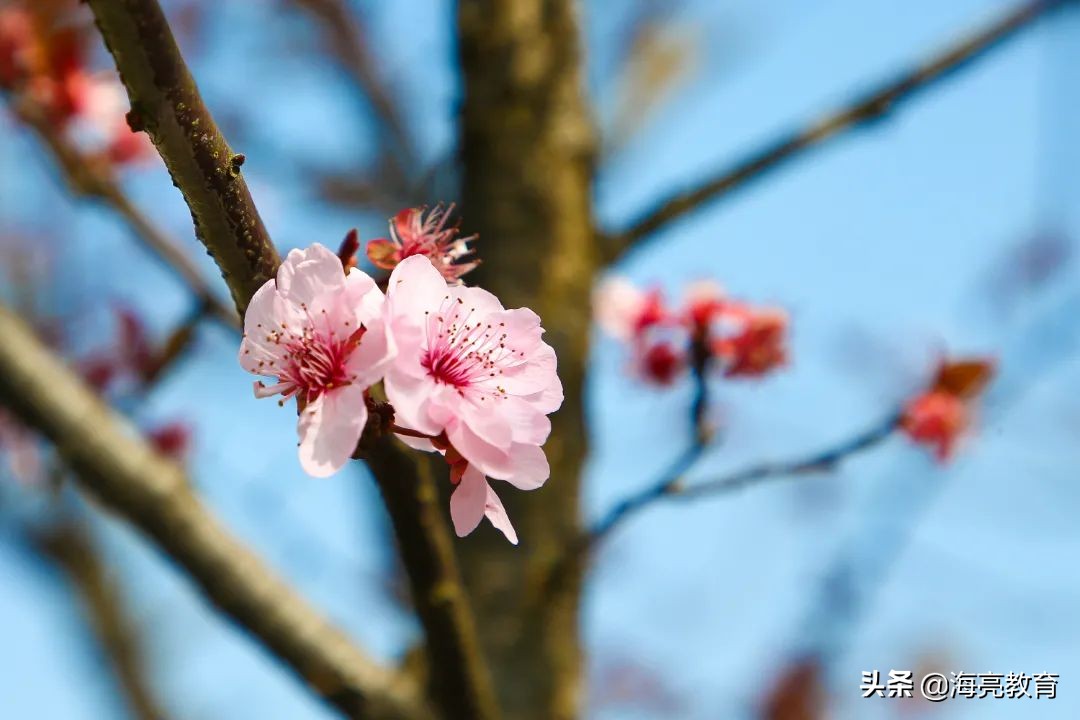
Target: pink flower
{"points": [[758, 345], [705, 303], [625, 312], [320, 333], [936, 419], [411, 233], [475, 378]]}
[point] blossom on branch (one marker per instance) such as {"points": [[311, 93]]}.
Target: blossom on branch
{"points": [[45, 69], [939, 416], [475, 381], [418, 231], [741, 340], [319, 332]]}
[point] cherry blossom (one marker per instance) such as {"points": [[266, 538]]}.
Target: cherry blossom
{"points": [[741, 340], [756, 347], [936, 419], [476, 381], [320, 333], [417, 231], [940, 415], [625, 312]]}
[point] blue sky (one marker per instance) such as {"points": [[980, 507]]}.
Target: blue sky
{"points": [[887, 236]]}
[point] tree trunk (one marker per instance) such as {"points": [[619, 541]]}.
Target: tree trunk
{"points": [[527, 148]]}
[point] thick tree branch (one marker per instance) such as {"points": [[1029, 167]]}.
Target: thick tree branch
{"points": [[671, 485], [165, 100], [86, 178], [166, 103], [69, 545], [153, 494], [860, 112], [459, 677]]}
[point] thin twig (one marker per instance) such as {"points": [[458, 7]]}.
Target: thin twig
{"points": [[347, 42], [152, 493], [94, 180], [671, 485], [863, 111], [67, 542]]}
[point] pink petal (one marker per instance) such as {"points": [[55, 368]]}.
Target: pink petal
{"points": [[468, 501], [306, 275], [617, 303], [528, 423], [266, 312], [530, 467], [479, 299], [487, 419], [372, 356], [496, 515], [410, 397], [415, 286], [329, 429], [490, 460]]}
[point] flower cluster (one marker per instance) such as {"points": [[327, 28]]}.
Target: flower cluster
{"points": [[465, 376], [938, 417], [739, 339], [44, 69], [418, 231]]}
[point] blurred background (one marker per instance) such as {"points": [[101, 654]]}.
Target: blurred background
{"points": [[947, 227]]}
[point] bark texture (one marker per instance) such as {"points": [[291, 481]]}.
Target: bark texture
{"points": [[118, 468], [527, 148]]}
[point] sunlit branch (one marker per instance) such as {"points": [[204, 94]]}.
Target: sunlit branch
{"points": [[166, 102], [458, 675], [93, 180], [126, 476], [864, 110]]}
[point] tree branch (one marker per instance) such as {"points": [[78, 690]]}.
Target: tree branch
{"points": [[671, 485], [864, 110], [153, 494], [165, 100], [166, 103], [459, 677], [345, 39], [91, 180], [69, 545]]}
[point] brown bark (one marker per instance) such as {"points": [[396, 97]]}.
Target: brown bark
{"points": [[152, 493], [527, 147], [165, 102]]}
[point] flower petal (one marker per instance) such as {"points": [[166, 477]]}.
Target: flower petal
{"points": [[496, 515], [489, 459], [529, 465], [305, 275], [469, 501], [415, 286], [329, 429], [410, 397]]}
